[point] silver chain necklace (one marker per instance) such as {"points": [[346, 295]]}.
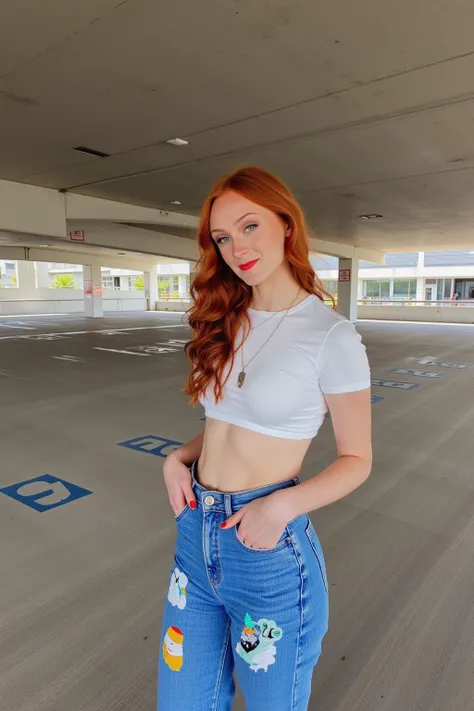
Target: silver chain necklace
{"points": [[243, 374]]}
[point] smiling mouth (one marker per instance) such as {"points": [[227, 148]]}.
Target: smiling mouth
{"points": [[248, 265]]}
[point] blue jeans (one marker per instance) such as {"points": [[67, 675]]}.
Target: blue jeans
{"points": [[262, 612]]}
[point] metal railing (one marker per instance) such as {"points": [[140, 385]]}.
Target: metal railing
{"points": [[441, 303], [370, 301]]}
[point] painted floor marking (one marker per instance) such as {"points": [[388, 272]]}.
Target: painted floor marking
{"points": [[106, 330], [114, 350]]}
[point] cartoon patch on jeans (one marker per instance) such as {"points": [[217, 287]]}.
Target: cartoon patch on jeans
{"points": [[257, 643], [173, 648], [177, 589]]}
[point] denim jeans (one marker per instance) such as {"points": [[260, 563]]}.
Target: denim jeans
{"points": [[260, 612]]}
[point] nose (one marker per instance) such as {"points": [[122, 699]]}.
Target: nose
{"points": [[240, 247]]}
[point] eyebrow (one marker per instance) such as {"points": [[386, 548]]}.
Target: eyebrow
{"points": [[239, 219]]}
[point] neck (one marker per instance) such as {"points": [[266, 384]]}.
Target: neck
{"points": [[276, 293]]}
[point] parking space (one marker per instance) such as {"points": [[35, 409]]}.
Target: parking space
{"points": [[89, 409]]}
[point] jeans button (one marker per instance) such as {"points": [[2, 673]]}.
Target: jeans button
{"points": [[209, 500]]}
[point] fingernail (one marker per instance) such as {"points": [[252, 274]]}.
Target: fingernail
{"points": [[223, 525], [192, 504]]}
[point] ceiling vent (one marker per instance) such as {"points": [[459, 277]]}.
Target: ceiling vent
{"points": [[91, 152]]}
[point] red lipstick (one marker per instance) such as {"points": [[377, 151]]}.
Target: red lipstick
{"points": [[248, 265]]}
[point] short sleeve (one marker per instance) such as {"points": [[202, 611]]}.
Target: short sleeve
{"points": [[342, 364]]}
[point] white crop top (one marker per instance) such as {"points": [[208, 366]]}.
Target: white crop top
{"points": [[314, 352]]}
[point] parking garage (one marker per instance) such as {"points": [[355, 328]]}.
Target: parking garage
{"points": [[374, 137]]}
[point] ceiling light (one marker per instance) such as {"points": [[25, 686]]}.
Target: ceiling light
{"points": [[176, 202], [371, 216], [177, 142]]}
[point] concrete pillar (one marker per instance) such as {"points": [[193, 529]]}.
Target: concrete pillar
{"points": [[420, 280], [25, 272], [42, 275], [347, 288], [93, 306], [182, 286], [151, 287]]}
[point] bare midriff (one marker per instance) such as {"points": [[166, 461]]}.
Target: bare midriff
{"points": [[235, 459]]}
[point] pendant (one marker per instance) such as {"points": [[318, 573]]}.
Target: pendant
{"points": [[241, 379]]}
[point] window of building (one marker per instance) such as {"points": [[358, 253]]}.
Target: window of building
{"points": [[107, 281], [443, 289], [8, 275], [377, 289], [330, 285], [404, 288], [168, 286]]}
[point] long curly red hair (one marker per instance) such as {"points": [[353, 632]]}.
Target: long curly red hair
{"points": [[220, 298]]}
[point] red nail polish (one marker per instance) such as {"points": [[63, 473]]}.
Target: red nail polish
{"points": [[192, 505], [223, 525]]}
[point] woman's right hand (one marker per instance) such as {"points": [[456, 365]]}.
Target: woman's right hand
{"points": [[178, 483]]}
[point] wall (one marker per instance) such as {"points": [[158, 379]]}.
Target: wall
{"points": [[175, 305], [66, 301], [436, 314]]}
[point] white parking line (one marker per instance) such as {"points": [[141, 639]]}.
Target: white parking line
{"points": [[113, 350], [73, 359], [23, 328], [105, 330]]}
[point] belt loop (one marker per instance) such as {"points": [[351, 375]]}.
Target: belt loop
{"points": [[228, 504]]}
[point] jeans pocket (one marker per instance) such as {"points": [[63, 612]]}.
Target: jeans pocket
{"points": [[282, 543], [318, 551], [182, 513]]}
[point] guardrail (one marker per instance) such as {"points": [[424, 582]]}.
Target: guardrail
{"points": [[364, 302], [442, 303]]}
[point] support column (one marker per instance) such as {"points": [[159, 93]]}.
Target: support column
{"points": [[42, 275], [420, 280], [93, 306], [347, 288], [182, 286], [25, 272], [151, 287]]}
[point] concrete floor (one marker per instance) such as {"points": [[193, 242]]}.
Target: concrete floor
{"points": [[83, 583]]}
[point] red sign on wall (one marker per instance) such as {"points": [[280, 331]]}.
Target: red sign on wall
{"points": [[77, 236], [344, 274]]}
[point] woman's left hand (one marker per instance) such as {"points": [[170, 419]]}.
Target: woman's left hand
{"points": [[262, 521]]}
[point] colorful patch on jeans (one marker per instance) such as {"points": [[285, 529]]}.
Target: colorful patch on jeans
{"points": [[177, 590], [257, 643], [173, 648]]}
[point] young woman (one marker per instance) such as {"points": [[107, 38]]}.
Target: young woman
{"points": [[248, 589]]}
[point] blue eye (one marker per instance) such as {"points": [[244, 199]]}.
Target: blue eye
{"points": [[219, 239], [251, 227]]}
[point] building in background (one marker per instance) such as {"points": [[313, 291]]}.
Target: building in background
{"points": [[413, 276], [8, 275], [173, 279]]}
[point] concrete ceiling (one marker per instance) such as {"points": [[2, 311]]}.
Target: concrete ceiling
{"points": [[362, 107]]}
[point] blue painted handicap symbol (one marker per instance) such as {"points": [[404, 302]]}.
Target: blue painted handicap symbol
{"points": [[397, 384], [419, 373], [151, 444], [376, 398], [45, 492]]}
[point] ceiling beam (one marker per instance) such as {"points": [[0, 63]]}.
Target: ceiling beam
{"points": [[346, 251], [36, 254], [30, 209], [83, 207]]}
